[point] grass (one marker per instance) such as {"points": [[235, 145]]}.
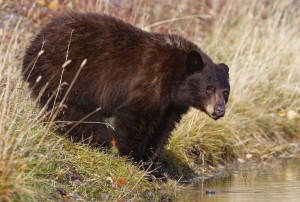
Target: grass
{"points": [[258, 40]]}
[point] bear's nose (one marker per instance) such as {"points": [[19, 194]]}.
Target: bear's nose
{"points": [[219, 110]]}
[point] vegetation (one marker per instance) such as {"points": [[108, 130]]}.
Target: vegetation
{"points": [[259, 40]]}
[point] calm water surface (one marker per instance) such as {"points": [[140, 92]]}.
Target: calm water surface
{"points": [[276, 182]]}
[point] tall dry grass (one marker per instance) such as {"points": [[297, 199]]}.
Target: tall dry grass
{"points": [[13, 110], [23, 136], [260, 42], [262, 47]]}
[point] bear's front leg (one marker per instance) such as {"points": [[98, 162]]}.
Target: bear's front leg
{"points": [[161, 135], [129, 138], [159, 138]]}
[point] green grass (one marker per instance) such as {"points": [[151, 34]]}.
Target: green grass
{"points": [[260, 43], [96, 173]]}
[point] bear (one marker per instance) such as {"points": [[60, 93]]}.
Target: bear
{"points": [[86, 68]]}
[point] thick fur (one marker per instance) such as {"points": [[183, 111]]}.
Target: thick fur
{"points": [[144, 81]]}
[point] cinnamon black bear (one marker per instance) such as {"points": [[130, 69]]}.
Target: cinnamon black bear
{"points": [[90, 67]]}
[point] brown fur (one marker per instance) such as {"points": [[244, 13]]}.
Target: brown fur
{"points": [[145, 81]]}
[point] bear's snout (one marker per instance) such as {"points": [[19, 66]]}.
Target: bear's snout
{"points": [[219, 111]]}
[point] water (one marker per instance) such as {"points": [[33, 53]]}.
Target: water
{"points": [[276, 182]]}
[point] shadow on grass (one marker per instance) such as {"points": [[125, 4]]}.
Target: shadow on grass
{"points": [[174, 166]]}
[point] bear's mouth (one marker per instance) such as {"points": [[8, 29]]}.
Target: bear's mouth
{"points": [[213, 116]]}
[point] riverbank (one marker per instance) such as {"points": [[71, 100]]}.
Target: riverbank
{"points": [[258, 40]]}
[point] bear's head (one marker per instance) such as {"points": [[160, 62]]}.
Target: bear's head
{"points": [[206, 85]]}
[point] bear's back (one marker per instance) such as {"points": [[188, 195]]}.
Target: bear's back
{"points": [[123, 62]]}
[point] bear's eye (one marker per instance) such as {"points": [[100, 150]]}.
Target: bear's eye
{"points": [[226, 93], [210, 89]]}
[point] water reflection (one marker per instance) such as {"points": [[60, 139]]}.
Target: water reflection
{"points": [[275, 182]]}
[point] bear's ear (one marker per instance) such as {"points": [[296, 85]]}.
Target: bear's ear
{"points": [[194, 62], [224, 67]]}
